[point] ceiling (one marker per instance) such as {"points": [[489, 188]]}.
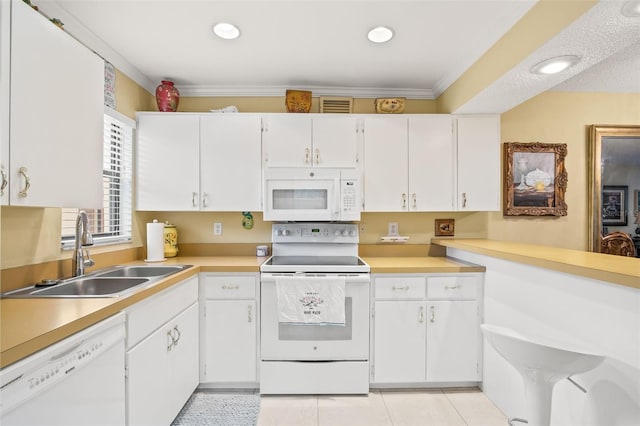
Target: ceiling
{"points": [[322, 46]]}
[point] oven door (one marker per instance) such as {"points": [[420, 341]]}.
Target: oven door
{"points": [[301, 195], [312, 342]]}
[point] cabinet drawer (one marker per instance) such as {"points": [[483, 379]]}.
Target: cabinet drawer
{"points": [[146, 316], [400, 287], [454, 287], [230, 287]]}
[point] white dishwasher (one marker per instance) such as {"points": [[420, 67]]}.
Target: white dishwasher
{"points": [[78, 381]]}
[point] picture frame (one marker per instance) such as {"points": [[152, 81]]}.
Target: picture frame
{"points": [[615, 205], [445, 227], [636, 202], [535, 179]]}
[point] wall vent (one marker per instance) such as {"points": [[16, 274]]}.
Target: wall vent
{"points": [[336, 104]]}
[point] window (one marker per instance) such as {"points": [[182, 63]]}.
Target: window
{"points": [[112, 222]]}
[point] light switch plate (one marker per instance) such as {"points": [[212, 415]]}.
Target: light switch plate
{"points": [[393, 228], [217, 228]]}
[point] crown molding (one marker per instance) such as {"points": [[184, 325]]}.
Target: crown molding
{"points": [[356, 92]]}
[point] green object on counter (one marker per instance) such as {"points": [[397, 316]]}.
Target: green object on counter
{"points": [[247, 220]]}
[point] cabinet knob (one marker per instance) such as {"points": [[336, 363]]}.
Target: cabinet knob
{"points": [[404, 200], [414, 201], [307, 155], [316, 157]]}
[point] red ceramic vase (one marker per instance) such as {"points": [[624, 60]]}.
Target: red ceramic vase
{"points": [[167, 96]]}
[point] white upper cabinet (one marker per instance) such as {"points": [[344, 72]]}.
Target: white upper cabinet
{"points": [[478, 163], [57, 114], [168, 162], [431, 163], [5, 85], [309, 140], [198, 162], [409, 163], [335, 141], [230, 173], [385, 163]]}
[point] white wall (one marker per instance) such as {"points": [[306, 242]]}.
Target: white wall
{"points": [[594, 314]]}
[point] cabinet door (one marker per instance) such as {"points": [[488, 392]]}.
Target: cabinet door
{"points": [[168, 171], [5, 84], [452, 341], [286, 140], [335, 141], [148, 380], [399, 342], [385, 164], [431, 163], [183, 359], [230, 341], [479, 163], [57, 115], [230, 163]]}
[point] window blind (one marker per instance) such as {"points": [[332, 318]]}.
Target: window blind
{"points": [[112, 222]]}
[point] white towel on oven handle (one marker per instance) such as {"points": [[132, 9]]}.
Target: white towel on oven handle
{"points": [[311, 300]]}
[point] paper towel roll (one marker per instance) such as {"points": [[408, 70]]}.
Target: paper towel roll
{"points": [[155, 241]]}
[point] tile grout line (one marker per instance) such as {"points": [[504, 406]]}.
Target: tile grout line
{"points": [[386, 408], [454, 407]]}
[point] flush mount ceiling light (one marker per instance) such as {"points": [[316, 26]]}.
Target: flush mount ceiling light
{"points": [[631, 9], [380, 35], [226, 31], [555, 65]]}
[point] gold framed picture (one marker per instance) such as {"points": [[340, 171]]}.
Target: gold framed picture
{"points": [[535, 179], [445, 227]]}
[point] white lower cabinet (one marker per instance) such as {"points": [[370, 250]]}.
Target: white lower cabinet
{"points": [[426, 329], [229, 332], [162, 354]]}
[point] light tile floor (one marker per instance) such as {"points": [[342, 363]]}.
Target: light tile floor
{"points": [[439, 407]]}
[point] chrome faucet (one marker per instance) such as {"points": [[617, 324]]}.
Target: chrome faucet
{"points": [[84, 238]]}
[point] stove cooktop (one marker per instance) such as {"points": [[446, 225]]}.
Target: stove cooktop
{"points": [[315, 264]]}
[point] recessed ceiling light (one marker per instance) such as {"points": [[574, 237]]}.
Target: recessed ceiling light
{"points": [[555, 65], [380, 35], [631, 9], [226, 31]]}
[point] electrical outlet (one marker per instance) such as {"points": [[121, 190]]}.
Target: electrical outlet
{"points": [[393, 228], [217, 228]]}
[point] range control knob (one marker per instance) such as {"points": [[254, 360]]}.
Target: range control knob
{"points": [[345, 233], [352, 233], [337, 233], [285, 232]]}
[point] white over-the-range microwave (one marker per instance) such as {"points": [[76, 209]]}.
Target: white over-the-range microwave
{"points": [[311, 194]]}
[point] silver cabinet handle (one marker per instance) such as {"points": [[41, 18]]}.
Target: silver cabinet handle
{"points": [[414, 201], [400, 288], [464, 199], [316, 157], [194, 199], [170, 341], [432, 314], [176, 339], [230, 287], [3, 185], [249, 313], [421, 314], [27, 182], [204, 199], [452, 287], [307, 155], [404, 200]]}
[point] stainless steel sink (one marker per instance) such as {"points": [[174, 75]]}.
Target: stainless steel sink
{"points": [[109, 282], [90, 287], [139, 271]]}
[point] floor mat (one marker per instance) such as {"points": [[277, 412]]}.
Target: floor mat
{"points": [[207, 408]]}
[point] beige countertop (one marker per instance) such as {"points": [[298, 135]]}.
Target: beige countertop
{"points": [[388, 265], [619, 270]]}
